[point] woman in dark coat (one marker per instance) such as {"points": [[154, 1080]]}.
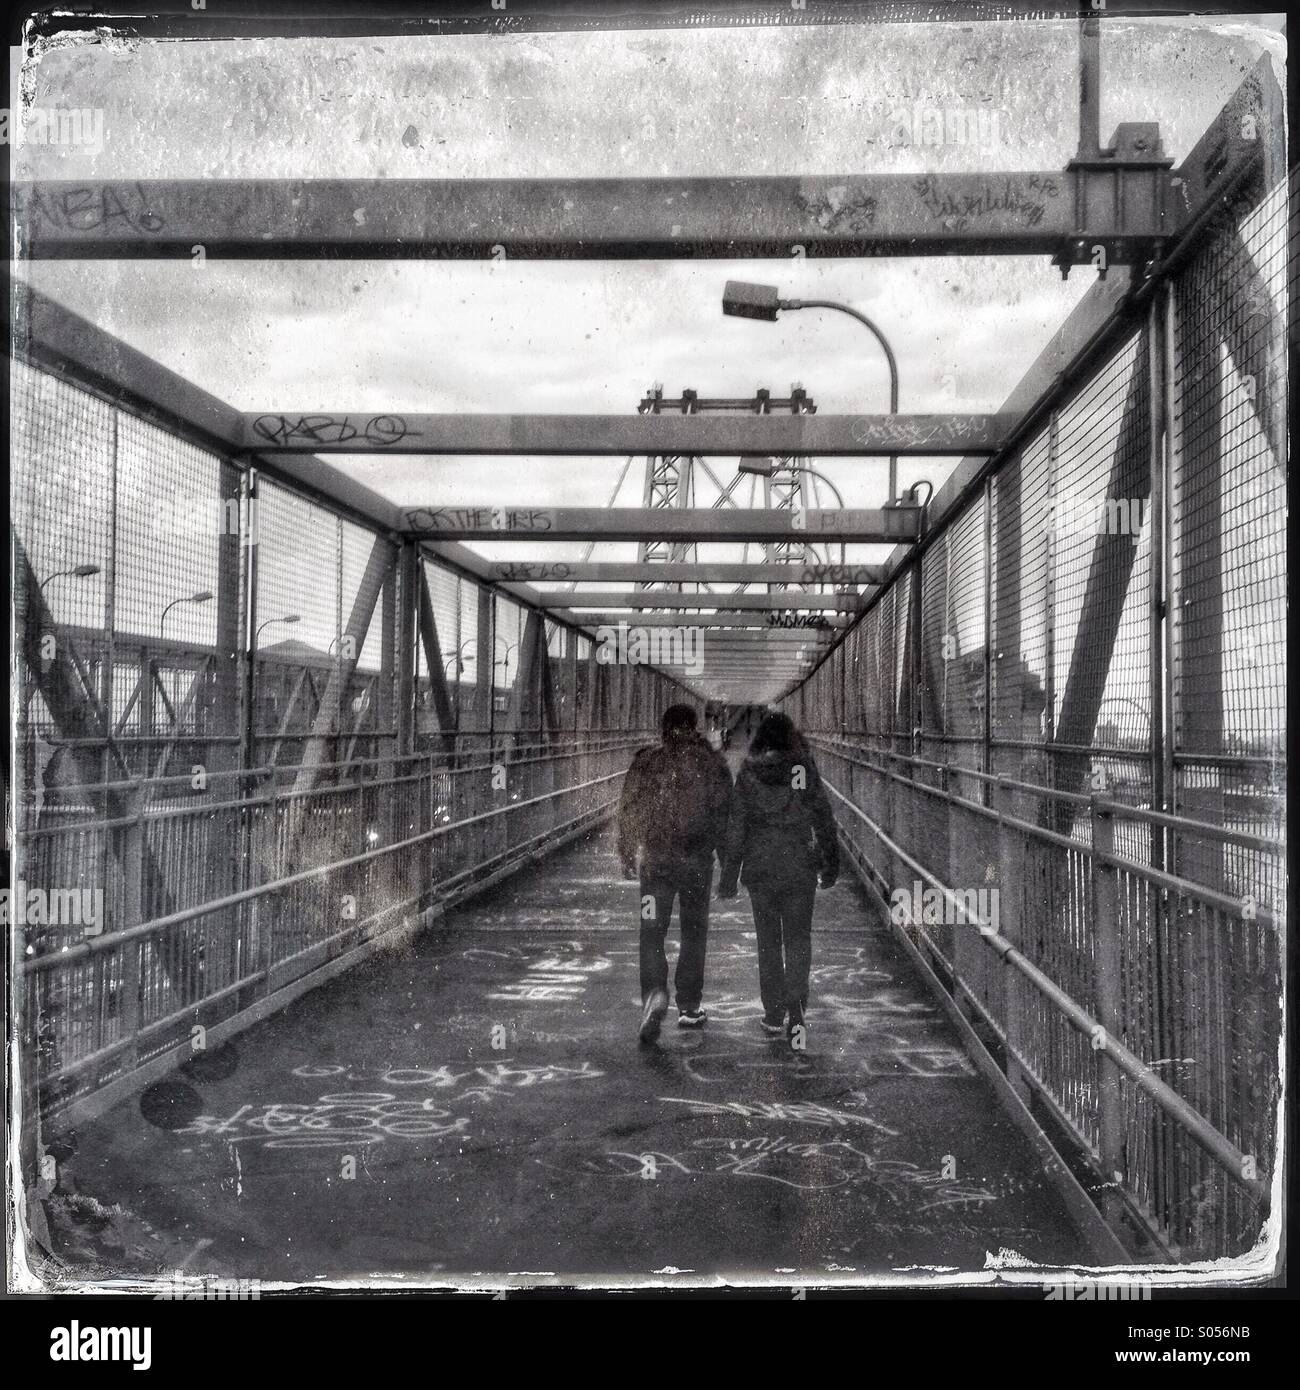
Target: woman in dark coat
{"points": [[781, 843]]}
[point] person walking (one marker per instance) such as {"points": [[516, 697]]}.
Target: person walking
{"points": [[781, 842], [672, 818]]}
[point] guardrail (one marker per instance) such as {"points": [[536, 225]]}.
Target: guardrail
{"points": [[216, 912], [1135, 1008]]}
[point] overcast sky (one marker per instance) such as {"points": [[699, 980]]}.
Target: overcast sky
{"points": [[592, 336]]}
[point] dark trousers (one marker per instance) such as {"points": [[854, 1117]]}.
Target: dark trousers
{"points": [[690, 885], [783, 914]]}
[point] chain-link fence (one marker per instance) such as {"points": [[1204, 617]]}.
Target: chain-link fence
{"points": [[1064, 723], [255, 736]]}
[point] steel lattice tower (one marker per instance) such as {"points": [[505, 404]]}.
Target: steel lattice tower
{"points": [[670, 478]]}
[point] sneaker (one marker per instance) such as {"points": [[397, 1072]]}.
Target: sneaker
{"points": [[656, 1006], [691, 1018], [774, 1027]]}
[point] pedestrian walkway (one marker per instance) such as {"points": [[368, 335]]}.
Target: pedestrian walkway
{"points": [[478, 1101]]}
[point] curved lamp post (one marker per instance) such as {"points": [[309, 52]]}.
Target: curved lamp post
{"points": [[747, 301], [201, 597]]}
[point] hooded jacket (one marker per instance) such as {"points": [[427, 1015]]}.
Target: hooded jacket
{"points": [[781, 831], [673, 812]]}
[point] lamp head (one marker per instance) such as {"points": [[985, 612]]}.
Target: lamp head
{"points": [[742, 300]]}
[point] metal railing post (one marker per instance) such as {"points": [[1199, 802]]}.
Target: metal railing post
{"points": [[1012, 853], [1108, 1000], [133, 910]]}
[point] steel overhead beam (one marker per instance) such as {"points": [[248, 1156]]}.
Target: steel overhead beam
{"points": [[174, 19], [755, 622], [793, 600], [487, 523], [825, 436], [678, 572], [715, 659], [730, 640], [547, 219]]}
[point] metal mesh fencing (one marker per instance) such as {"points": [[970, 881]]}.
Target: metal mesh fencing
{"points": [[237, 766], [1090, 722]]}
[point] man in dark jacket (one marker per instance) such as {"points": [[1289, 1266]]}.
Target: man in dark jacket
{"points": [[781, 840], [671, 821]]}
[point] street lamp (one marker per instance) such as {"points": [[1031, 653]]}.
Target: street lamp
{"points": [[288, 618], [80, 572], [201, 597], [743, 300]]}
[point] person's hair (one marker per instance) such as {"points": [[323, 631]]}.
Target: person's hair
{"points": [[678, 719], [776, 733]]}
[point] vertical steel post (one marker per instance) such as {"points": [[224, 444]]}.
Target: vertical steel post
{"points": [[1011, 900], [218, 708], [408, 580], [1089, 87], [110, 622], [387, 750], [133, 913], [987, 759], [484, 666], [1049, 587], [1107, 991], [1157, 607], [1172, 464], [248, 749]]}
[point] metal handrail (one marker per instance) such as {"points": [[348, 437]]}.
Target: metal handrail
{"points": [[135, 783], [1120, 810], [1221, 1149], [98, 944]]}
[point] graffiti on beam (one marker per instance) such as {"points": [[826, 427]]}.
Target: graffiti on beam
{"points": [[512, 520], [816, 620], [840, 209], [529, 571], [317, 431], [910, 431], [1024, 198], [105, 208], [837, 574]]}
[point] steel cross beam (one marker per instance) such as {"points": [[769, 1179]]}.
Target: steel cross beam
{"points": [[541, 219], [488, 523], [368, 432], [795, 600], [806, 626], [671, 572]]}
